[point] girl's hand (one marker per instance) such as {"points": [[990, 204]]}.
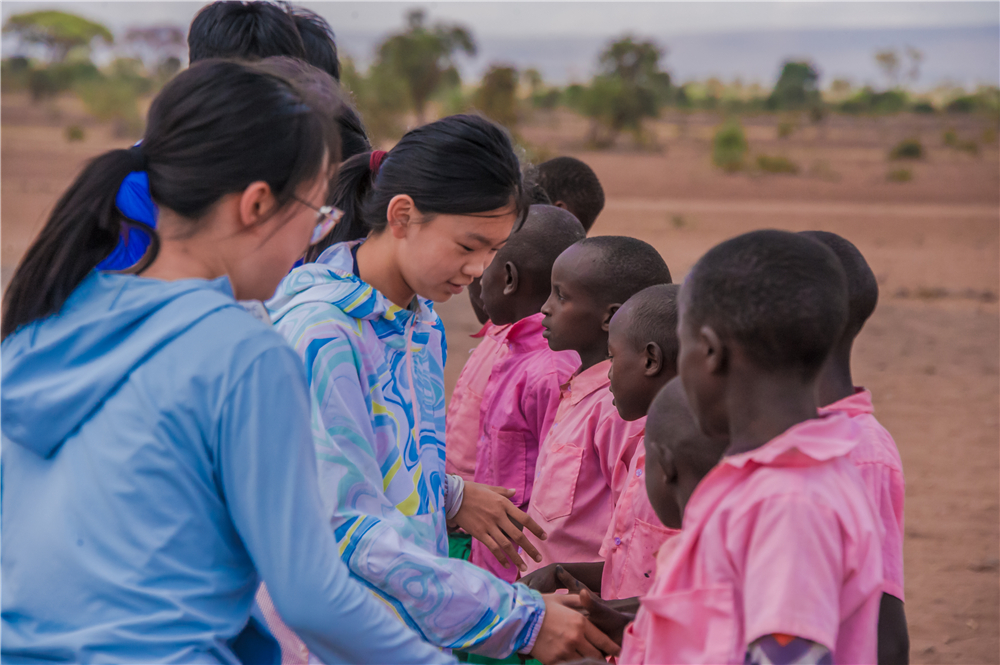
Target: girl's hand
{"points": [[542, 580], [567, 635], [488, 516]]}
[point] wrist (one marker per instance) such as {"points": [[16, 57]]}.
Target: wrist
{"points": [[534, 627], [454, 493]]}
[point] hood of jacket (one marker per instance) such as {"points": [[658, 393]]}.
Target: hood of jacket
{"points": [[58, 370]]}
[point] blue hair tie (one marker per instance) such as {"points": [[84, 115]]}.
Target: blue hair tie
{"points": [[135, 202]]}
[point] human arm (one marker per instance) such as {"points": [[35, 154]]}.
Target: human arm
{"points": [[893, 635], [267, 470], [546, 579], [487, 515]]}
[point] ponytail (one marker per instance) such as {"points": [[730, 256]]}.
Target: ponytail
{"points": [[82, 231], [459, 165]]}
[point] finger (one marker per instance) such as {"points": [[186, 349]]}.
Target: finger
{"points": [[585, 647], [569, 600], [518, 537], [503, 491], [509, 548], [524, 521], [572, 584], [492, 546], [599, 640]]}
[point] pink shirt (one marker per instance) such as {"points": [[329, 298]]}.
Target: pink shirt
{"points": [[781, 539], [582, 469], [519, 405], [633, 538], [877, 459], [462, 420]]}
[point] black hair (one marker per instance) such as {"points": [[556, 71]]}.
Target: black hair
{"points": [[195, 150], [547, 232], [569, 180], [623, 267], [459, 165], [671, 425], [244, 30], [781, 296], [353, 135], [536, 193], [652, 317], [317, 38], [862, 286]]}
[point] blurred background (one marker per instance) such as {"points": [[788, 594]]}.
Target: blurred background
{"points": [[877, 121]]}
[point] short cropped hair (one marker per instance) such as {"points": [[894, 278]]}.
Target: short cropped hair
{"points": [[569, 180], [652, 317], [536, 192], [318, 39], [862, 286], [547, 232], [781, 296], [624, 266], [243, 30]]}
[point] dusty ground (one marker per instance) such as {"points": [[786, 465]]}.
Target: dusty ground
{"points": [[930, 354]]}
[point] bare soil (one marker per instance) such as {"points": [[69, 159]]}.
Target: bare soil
{"points": [[930, 354]]}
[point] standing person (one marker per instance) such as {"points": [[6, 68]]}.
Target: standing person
{"points": [[420, 222], [157, 455], [571, 184]]}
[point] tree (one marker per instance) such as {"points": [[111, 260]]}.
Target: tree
{"points": [[497, 95], [158, 46], [56, 31], [380, 97], [888, 62], [629, 87], [796, 88], [423, 57], [916, 57]]}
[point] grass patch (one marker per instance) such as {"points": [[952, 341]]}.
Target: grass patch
{"points": [[907, 149], [776, 164], [952, 140], [729, 146], [75, 133], [899, 175]]}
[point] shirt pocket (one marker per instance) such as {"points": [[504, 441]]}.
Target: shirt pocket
{"points": [[640, 563], [554, 497], [509, 463], [693, 626]]}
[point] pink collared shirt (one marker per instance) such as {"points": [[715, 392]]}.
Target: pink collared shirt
{"points": [[634, 537], [582, 468], [462, 420], [781, 539], [881, 469], [519, 405]]}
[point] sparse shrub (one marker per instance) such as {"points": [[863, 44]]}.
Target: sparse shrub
{"points": [[923, 107], [678, 221], [951, 140], [75, 133], [907, 149], [776, 164], [729, 146], [964, 104], [786, 128], [899, 175]]}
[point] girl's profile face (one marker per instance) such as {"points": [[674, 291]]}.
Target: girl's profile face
{"points": [[440, 257]]}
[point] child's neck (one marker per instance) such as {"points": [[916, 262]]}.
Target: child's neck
{"points": [[762, 406], [593, 355], [528, 306], [378, 268], [835, 381]]}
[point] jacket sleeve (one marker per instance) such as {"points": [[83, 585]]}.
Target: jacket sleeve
{"points": [[450, 602], [267, 470]]}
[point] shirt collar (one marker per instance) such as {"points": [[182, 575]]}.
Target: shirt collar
{"points": [[489, 329], [588, 381], [858, 404], [815, 440], [526, 335]]}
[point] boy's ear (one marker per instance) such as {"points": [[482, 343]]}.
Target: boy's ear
{"points": [[400, 213], [510, 279], [716, 353], [608, 314], [654, 360]]}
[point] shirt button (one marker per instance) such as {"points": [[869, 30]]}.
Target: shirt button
{"points": [[638, 472], [618, 541]]}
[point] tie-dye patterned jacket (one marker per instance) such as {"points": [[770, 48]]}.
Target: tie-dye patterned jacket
{"points": [[377, 376]]}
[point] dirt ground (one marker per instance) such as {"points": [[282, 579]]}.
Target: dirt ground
{"points": [[930, 354]]}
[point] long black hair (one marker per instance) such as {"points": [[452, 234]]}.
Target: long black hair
{"points": [[459, 165], [213, 130]]}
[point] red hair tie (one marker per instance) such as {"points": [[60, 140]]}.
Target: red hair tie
{"points": [[375, 161]]}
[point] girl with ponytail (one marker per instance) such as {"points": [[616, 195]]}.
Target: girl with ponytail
{"points": [[157, 454], [420, 223]]}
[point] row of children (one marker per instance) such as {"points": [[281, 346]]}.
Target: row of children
{"points": [[179, 451]]}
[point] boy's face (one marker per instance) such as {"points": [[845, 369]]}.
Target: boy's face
{"points": [[661, 483], [628, 371], [699, 365], [496, 303], [573, 319]]}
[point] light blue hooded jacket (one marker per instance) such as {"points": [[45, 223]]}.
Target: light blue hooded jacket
{"points": [[377, 376], [157, 458]]}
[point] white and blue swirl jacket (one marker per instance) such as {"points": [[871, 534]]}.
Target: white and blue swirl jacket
{"points": [[377, 376]]}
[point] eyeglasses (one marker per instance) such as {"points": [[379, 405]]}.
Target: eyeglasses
{"points": [[327, 218]]}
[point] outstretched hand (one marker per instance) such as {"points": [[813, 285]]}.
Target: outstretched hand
{"points": [[488, 516], [567, 635], [611, 621]]}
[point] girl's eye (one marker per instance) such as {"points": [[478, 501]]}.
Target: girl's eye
{"points": [[467, 249]]}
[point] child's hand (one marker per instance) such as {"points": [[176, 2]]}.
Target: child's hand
{"points": [[488, 516], [566, 635], [542, 580], [612, 622]]}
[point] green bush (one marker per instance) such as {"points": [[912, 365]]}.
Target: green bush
{"points": [[786, 128], [923, 107], [951, 140], [729, 146], [899, 175], [907, 149], [776, 164], [75, 133]]}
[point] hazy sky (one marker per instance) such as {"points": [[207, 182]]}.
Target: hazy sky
{"points": [[575, 31]]}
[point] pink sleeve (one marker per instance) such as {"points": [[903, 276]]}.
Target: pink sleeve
{"points": [[792, 569], [886, 490], [615, 441]]}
